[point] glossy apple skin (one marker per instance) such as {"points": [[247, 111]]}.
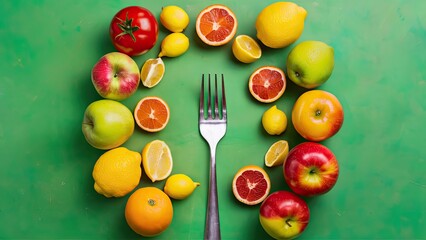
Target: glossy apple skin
{"points": [[116, 76], [310, 169], [284, 215], [317, 115], [107, 124], [310, 71]]}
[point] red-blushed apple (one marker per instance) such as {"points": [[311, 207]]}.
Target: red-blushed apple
{"points": [[284, 215], [107, 124], [317, 115], [115, 76], [310, 169]]}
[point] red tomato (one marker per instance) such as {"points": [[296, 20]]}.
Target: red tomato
{"points": [[134, 30]]}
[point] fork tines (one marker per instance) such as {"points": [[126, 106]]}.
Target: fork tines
{"points": [[219, 107]]}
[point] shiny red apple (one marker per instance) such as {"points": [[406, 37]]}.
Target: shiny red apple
{"points": [[116, 76], [311, 169], [284, 215]]}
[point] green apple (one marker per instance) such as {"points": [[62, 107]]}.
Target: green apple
{"points": [[310, 63], [107, 124]]}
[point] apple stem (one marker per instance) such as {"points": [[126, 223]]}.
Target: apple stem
{"points": [[317, 112], [288, 222]]}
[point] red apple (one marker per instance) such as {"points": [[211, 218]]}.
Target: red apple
{"points": [[284, 215], [116, 76], [311, 169]]}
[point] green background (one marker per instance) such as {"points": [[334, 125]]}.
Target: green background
{"points": [[47, 51]]}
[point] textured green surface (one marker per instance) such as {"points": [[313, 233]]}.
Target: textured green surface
{"points": [[49, 47]]}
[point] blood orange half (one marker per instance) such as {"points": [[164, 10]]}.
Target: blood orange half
{"points": [[216, 25], [152, 114], [251, 185], [267, 84]]}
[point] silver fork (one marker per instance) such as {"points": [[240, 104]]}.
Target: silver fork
{"points": [[212, 128]]}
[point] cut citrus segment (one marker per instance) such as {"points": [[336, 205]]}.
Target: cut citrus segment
{"points": [[246, 49], [251, 185], [216, 25], [152, 72], [152, 114], [157, 160], [267, 84], [276, 153]]}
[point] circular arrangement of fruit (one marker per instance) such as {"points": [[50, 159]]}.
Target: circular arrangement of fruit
{"points": [[309, 169]]}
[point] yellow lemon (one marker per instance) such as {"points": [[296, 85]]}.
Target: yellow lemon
{"points": [[274, 121], [173, 45], [276, 153], [157, 160], [246, 49], [174, 18], [180, 186], [152, 72], [117, 172], [280, 24]]}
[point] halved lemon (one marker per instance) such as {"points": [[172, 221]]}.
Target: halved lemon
{"points": [[276, 153], [246, 49], [152, 72], [157, 160]]}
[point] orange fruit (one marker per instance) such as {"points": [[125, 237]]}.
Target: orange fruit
{"points": [[216, 25], [149, 211], [152, 114], [267, 84], [251, 185]]}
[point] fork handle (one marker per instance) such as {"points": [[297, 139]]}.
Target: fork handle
{"points": [[212, 231]]}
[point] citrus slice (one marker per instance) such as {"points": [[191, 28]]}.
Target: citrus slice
{"points": [[267, 84], [152, 114], [276, 153], [251, 185], [246, 49], [157, 160], [216, 25], [152, 72]]}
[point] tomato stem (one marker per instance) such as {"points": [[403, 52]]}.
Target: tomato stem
{"points": [[126, 27]]}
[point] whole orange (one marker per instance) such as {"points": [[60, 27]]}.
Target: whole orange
{"points": [[149, 211]]}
